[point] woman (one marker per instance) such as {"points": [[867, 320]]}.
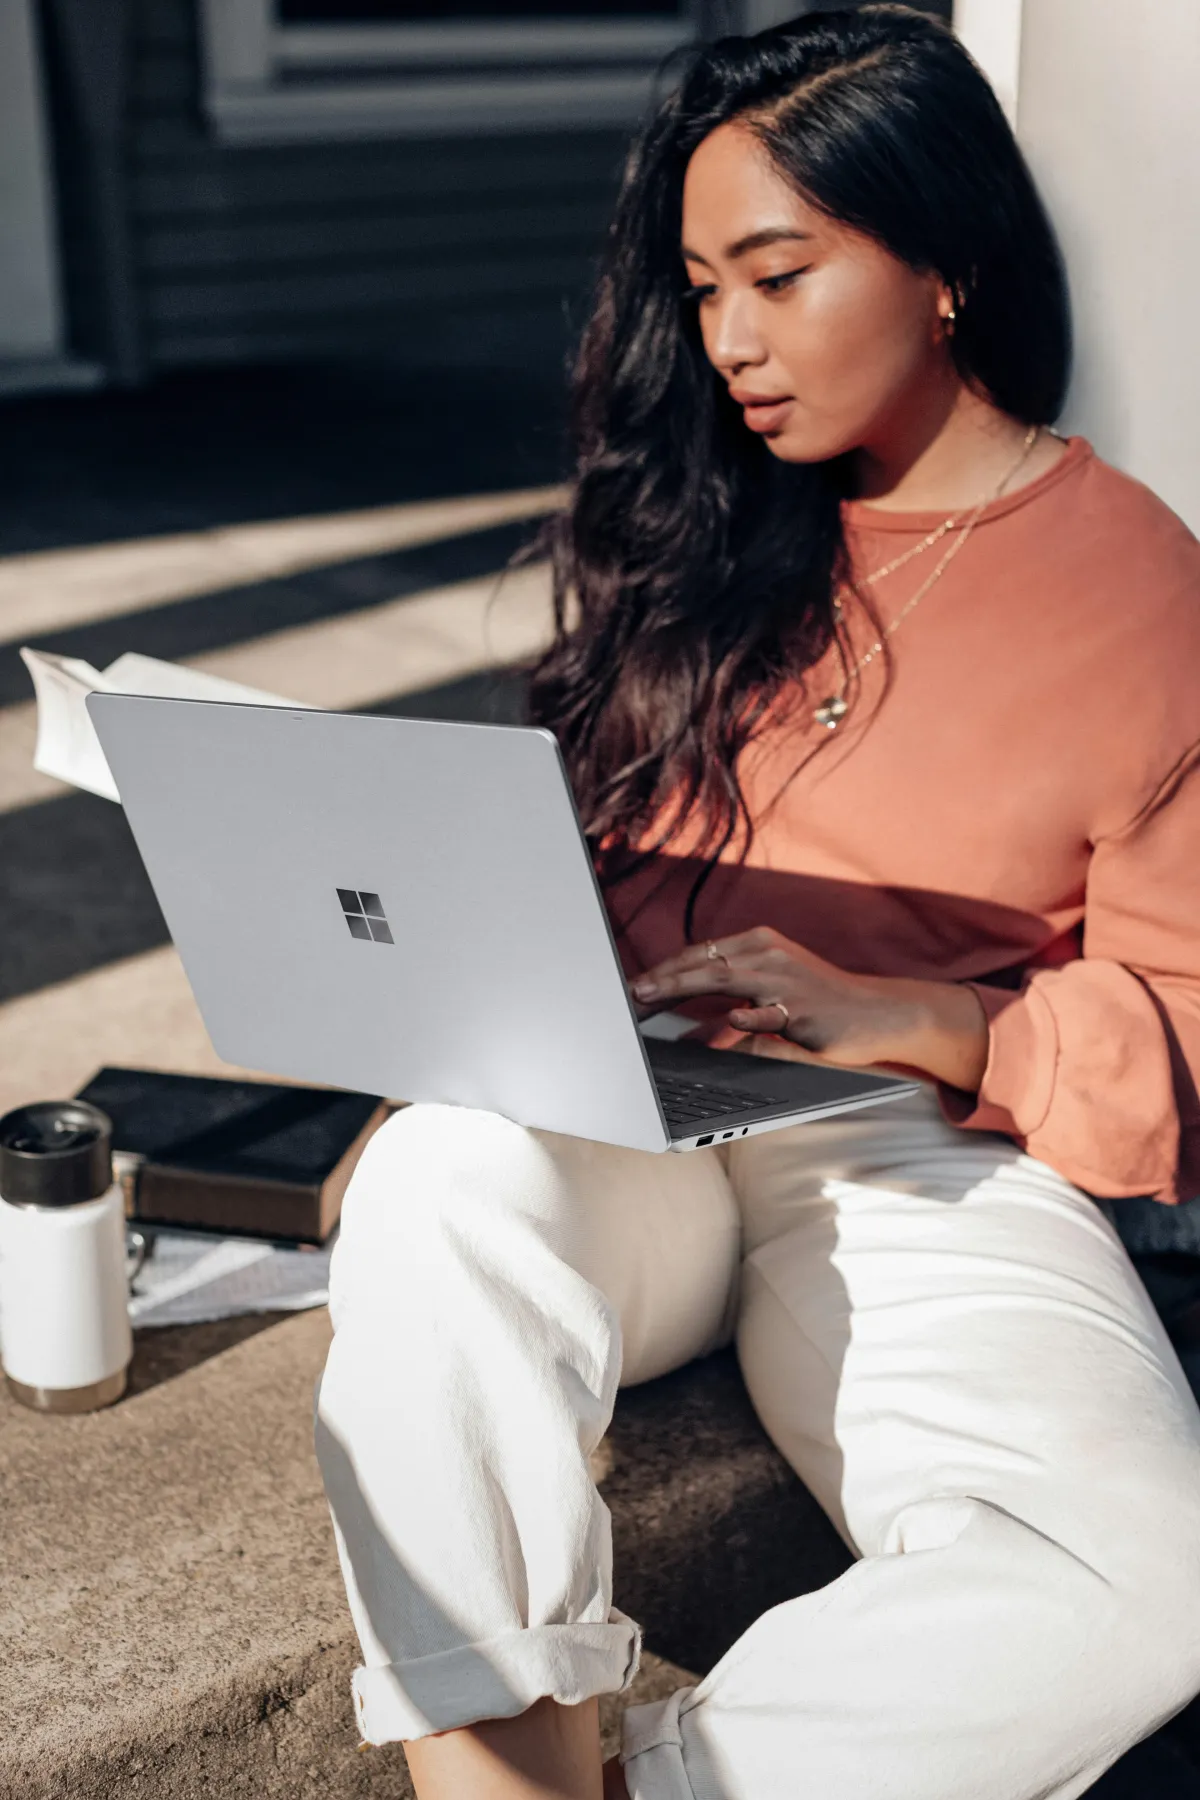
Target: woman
{"points": [[881, 708]]}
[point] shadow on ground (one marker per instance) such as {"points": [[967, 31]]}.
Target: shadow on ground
{"points": [[161, 1352], [223, 447]]}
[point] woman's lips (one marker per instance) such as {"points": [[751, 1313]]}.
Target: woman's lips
{"points": [[766, 415]]}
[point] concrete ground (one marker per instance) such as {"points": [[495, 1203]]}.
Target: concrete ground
{"points": [[174, 1621]]}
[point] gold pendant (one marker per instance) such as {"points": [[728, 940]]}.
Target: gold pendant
{"points": [[830, 711]]}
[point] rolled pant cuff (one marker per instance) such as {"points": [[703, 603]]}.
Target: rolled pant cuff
{"points": [[652, 1750], [496, 1679]]}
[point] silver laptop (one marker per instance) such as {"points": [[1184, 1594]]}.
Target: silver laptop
{"points": [[407, 907]]}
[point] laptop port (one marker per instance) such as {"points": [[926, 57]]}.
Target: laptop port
{"points": [[700, 1142]]}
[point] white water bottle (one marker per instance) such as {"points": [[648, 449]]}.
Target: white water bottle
{"points": [[65, 1338]]}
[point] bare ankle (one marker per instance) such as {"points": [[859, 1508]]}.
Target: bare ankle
{"points": [[614, 1780], [548, 1752]]}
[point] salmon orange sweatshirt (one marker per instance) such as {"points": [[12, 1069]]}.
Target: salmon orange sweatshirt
{"points": [[1015, 806]]}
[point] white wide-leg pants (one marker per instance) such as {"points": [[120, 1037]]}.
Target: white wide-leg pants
{"points": [[944, 1338]]}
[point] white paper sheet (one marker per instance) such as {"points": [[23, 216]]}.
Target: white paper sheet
{"points": [[191, 1276], [67, 746]]}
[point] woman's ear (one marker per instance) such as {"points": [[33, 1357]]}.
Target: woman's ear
{"points": [[947, 304]]}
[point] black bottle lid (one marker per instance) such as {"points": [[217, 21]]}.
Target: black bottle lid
{"points": [[55, 1153]]}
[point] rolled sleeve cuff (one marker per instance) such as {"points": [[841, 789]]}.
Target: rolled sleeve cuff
{"points": [[497, 1679], [1018, 1080]]}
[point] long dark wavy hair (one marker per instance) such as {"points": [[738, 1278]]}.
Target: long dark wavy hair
{"points": [[694, 574]]}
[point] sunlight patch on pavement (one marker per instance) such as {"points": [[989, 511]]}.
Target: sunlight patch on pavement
{"points": [[417, 642]]}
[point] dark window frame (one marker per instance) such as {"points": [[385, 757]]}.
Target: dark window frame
{"points": [[268, 82]]}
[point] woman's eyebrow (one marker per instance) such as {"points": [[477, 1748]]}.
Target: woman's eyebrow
{"points": [[758, 240], [754, 240]]}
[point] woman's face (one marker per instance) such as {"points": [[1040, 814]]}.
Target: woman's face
{"points": [[825, 338]]}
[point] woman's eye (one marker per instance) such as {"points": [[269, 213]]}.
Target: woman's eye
{"points": [[695, 294], [775, 284]]}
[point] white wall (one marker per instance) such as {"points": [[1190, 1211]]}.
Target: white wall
{"points": [[29, 303], [991, 31], [1108, 113]]}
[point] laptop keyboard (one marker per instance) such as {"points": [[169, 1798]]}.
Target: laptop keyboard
{"points": [[692, 1102]]}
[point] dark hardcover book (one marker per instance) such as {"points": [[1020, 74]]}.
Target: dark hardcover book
{"points": [[258, 1158]]}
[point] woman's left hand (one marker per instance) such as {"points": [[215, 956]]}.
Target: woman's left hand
{"points": [[856, 1021]]}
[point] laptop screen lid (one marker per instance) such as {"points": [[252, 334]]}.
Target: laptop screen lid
{"points": [[401, 906]]}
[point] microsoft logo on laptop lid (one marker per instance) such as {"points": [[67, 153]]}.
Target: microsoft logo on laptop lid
{"points": [[365, 916]]}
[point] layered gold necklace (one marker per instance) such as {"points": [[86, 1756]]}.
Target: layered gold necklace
{"points": [[834, 709]]}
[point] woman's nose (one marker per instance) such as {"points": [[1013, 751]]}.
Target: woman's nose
{"points": [[733, 341]]}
